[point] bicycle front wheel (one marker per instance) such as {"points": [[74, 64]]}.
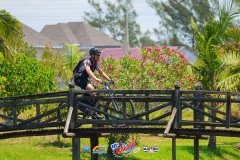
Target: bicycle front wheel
{"points": [[116, 109]]}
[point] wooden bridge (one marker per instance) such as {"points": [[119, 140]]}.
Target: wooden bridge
{"points": [[157, 111]]}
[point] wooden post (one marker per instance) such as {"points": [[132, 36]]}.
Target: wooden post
{"points": [[71, 103], [197, 117], [38, 112], [174, 155], [176, 123], [124, 108], [94, 142], [76, 148], [73, 123], [176, 103], [196, 149], [147, 108], [228, 110], [14, 114]]}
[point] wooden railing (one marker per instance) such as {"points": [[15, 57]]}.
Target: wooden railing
{"points": [[194, 109]]}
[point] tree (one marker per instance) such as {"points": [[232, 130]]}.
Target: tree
{"points": [[11, 35], [175, 16], [26, 76], [112, 20], [229, 79], [73, 54], [210, 65], [29, 51], [145, 39], [63, 63], [2, 78]]}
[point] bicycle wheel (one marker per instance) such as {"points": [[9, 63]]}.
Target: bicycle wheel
{"points": [[130, 108], [116, 109]]}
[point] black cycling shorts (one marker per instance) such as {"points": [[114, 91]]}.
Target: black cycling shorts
{"points": [[81, 82]]}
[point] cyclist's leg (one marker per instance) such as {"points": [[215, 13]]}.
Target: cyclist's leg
{"points": [[90, 87], [82, 83]]}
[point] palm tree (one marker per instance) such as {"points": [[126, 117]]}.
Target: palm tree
{"points": [[10, 34], [229, 79], [73, 54], [210, 65]]}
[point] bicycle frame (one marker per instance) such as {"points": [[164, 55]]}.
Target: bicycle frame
{"points": [[106, 87]]}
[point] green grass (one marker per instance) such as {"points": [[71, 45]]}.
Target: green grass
{"points": [[48, 148]]}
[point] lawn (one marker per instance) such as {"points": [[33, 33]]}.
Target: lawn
{"points": [[49, 148]]}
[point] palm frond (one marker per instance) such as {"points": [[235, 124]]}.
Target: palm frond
{"points": [[230, 83]]}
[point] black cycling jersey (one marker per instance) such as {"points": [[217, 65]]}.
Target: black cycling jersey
{"points": [[80, 72]]}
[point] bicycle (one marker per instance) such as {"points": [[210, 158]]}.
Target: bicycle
{"points": [[112, 106]]}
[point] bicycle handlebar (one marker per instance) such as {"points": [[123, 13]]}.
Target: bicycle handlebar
{"points": [[108, 83]]}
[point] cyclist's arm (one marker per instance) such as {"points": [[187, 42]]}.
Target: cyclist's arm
{"points": [[103, 74], [90, 73]]}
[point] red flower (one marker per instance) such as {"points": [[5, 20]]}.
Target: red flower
{"points": [[157, 49], [152, 72], [149, 49]]}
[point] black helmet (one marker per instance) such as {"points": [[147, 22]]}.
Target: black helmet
{"points": [[94, 51]]}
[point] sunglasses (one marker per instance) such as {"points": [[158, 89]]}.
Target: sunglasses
{"points": [[98, 55]]}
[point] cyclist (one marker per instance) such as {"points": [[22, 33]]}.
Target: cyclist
{"points": [[84, 71]]}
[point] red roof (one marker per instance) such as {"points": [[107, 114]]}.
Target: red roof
{"points": [[117, 53]]}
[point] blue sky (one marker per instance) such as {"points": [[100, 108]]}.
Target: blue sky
{"points": [[38, 13]]}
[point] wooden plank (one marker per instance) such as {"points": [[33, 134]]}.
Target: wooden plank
{"points": [[127, 91], [10, 118], [31, 102], [149, 111], [69, 116], [86, 132], [170, 122], [35, 96], [204, 113], [40, 116], [128, 122]]}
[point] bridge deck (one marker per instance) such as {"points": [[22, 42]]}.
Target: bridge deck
{"points": [[99, 131]]}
